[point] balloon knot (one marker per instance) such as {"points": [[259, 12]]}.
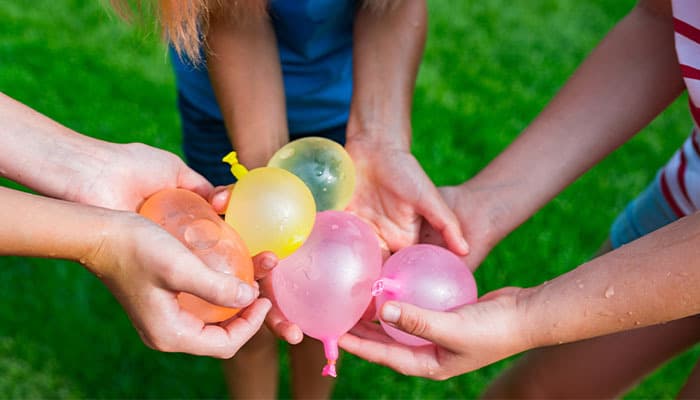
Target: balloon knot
{"points": [[378, 287], [329, 369], [237, 169]]}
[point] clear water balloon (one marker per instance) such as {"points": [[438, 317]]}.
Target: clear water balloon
{"points": [[324, 166], [427, 276], [325, 286], [193, 221]]}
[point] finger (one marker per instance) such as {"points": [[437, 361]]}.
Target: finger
{"points": [[416, 361], [220, 197], [283, 328], [191, 180], [443, 220], [439, 327], [189, 274], [371, 331], [225, 341], [264, 263]]}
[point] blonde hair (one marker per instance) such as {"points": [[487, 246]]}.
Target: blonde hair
{"points": [[184, 22]]}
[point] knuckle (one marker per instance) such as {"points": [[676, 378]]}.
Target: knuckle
{"points": [[414, 324]]}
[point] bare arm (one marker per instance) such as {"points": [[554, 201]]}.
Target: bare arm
{"points": [[58, 162], [652, 280], [143, 266], [388, 46], [625, 83], [245, 72]]}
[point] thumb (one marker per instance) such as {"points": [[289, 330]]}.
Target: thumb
{"points": [[443, 220], [189, 274], [191, 180], [438, 327]]}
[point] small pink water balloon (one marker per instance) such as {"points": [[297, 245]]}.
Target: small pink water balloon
{"points": [[427, 276], [326, 285]]}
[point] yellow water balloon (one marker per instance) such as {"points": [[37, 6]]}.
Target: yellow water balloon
{"points": [[271, 208], [324, 166]]}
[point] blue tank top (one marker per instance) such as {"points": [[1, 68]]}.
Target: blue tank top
{"points": [[314, 38]]}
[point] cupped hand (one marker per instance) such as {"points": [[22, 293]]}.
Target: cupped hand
{"points": [[394, 194], [130, 173], [145, 268], [465, 339]]}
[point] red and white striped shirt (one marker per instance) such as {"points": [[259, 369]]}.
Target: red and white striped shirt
{"points": [[680, 177]]}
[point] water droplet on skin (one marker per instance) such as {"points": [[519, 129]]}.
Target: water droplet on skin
{"points": [[334, 227], [629, 313], [580, 285], [636, 322], [609, 292]]}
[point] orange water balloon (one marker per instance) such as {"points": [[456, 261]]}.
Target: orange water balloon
{"points": [[193, 221]]}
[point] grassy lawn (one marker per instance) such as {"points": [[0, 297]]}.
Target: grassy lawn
{"points": [[489, 68]]}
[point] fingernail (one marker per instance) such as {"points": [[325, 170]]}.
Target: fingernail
{"points": [[465, 245], [245, 294], [390, 313], [269, 263]]}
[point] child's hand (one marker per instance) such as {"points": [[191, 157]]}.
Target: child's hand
{"points": [[124, 175], [474, 216], [394, 194], [465, 339], [145, 268]]}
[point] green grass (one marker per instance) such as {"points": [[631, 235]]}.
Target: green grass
{"points": [[489, 68]]}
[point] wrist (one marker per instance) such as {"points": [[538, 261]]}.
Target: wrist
{"points": [[380, 135], [72, 164], [527, 320], [107, 238], [491, 209]]}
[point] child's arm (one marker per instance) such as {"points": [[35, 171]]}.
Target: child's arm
{"points": [[652, 280], [629, 78], [626, 82], [246, 74], [393, 191], [59, 162], [142, 265]]}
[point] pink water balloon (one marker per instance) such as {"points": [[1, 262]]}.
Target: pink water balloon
{"points": [[326, 285], [427, 276]]}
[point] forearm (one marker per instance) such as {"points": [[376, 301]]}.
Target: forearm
{"points": [[43, 154], [388, 46], [626, 81], [37, 226], [246, 75], [652, 280]]}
